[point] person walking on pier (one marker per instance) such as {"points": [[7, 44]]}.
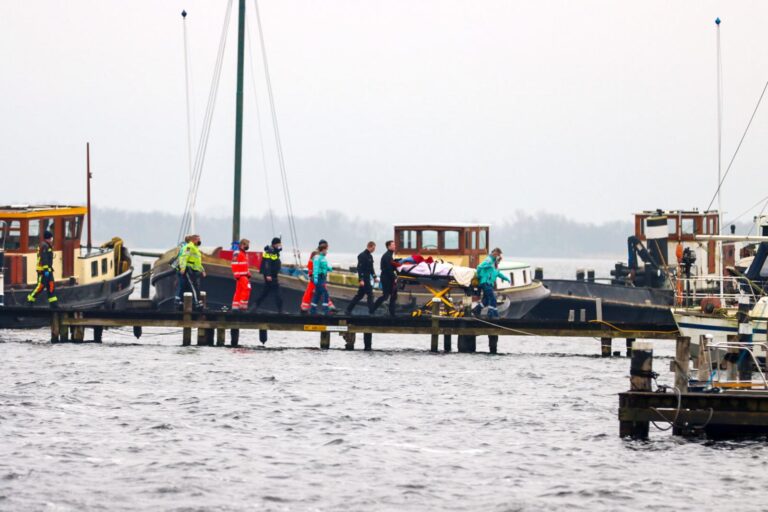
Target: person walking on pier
{"points": [[388, 279], [309, 292], [242, 276], [365, 274], [270, 269], [487, 273], [45, 280], [320, 269], [191, 268], [180, 278]]}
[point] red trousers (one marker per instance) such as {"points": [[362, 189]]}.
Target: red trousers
{"points": [[307, 299], [242, 293]]}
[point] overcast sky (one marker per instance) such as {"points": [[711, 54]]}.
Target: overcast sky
{"points": [[397, 110]]}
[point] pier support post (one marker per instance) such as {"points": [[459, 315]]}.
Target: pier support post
{"points": [[605, 347], [263, 336], [435, 322], [137, 332], [367, 341], [186, 333], [234, 337], [55, 324], [467, 344], [78, 333], [349, 339], [493, 343], [641, 374], [98, 334], [221, 336], [682, 363], [704, 362], [63, 328], [447, 343], [325, 340], [630, 341], [202, 334], [146, 269]]}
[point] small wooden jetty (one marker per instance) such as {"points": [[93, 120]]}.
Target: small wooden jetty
{"points": [[695, 405], [213, 326]]}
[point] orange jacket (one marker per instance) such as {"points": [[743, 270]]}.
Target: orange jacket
{"points": [[240, 264]]}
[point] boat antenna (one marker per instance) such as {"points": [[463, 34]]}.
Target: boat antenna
{"points": [[189, 115], [88, 177], [238, 121]]}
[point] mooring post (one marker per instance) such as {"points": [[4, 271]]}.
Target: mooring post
{"points": [[703, 361], [367, 341], [263, 336], [325, 340], [186, 333], [745, 336], [202, 336], [98, 334], [605, 347], [435, 322], [447, 343], [78, 333], [55, 323], [146, 269], [221, 334], [641, 374], [234, 337], [630, 341], [63, 328], [493, 343], [682, 363]]}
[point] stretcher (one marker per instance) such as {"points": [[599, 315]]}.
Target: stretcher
{"points": [[439, 279]]}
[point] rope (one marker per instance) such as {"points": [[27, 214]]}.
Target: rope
{"points": [[278, 143], [672, 423], [477, 319], [617, 329]]}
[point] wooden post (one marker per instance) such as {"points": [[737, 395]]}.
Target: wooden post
{"points": [[682, 363], [605, 347], [367, 341], [63, 328], [186, 336], [146, 268], [202, 335], [55, 324], [435, 320], [98, 334], [641, 374], [263, 336], [745, 337], [234, 337], [467, 344], [630, 341], [493, 342], [349, 337], [137, 331], [704, 362], [447, 343], [325, 340], [78, 333], [221, 336]]}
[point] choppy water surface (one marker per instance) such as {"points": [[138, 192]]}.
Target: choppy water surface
{"points": [[157, 426]]}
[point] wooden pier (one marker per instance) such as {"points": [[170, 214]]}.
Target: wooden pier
{"points": [[213, 327]]}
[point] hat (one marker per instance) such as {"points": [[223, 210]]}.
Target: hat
{"points": [[322, 241], [47, 235], [276, 241]]}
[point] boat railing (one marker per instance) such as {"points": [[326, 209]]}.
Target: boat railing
{"points": [[724, 353], [693, 290]]}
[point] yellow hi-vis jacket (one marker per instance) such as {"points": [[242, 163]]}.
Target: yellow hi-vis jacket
{"points": [[191, 258]]}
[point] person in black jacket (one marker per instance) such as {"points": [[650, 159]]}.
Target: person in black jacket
{"points": [[270, 269], [388, 279], [365, 274], [45, 281]]}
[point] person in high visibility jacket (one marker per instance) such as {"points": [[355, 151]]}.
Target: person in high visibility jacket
{"points": [[242, 276], [487, 273], [179, 278], [306, 301], [45, 279], [191, 268], [270, 269]]}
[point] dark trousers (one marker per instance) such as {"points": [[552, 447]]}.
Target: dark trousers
{"points": [[320, 296], [364, 291], [389, 291], [271, 287], [191, 283]]}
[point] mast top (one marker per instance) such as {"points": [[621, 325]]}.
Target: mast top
{"points": [[184, 14], [717, 21]]}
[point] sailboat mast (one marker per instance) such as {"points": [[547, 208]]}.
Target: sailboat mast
{"points": [[719, 156], [88, 176], [239, 121]]}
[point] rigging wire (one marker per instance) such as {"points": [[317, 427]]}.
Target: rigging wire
{"points": [[189, 116], [739, 216], [206, 128], [258, 128], [281, 159]]}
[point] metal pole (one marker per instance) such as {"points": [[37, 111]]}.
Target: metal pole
{"points": [[88, 189], [719, 157], [239, 122], [189, 117]]}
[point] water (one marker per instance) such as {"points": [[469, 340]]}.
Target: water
{"points": [[155, 426]]}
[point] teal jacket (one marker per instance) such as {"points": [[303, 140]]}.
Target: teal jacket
{"points": [[487, 273], [320, 267]]}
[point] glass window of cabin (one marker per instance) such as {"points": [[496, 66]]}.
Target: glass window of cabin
{"points": [[451, 240], [429, 239], [72, 228], [408, 239], [104, 266], [672, 226], [711, 226], [688, 226], [94, 268], [49, 225], [33, 230], [483, 242], [13, 240]]}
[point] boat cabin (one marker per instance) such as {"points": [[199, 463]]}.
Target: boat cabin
{"points": [[461, 244], [21, 233]]}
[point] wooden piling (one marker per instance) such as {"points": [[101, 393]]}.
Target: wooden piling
{"points": [[202, 334], [186, 336], [467, 344], [630, 341], [605, 347], [137, 331], [55, 325], [98, 334], [221, 337], [703, 361], [447, 343], [63, 329], [325, 340], [493, 343], [263, 336], [78, 334], [435, 323], [146, 268], [234, 337], [682, 363], [367, 341], [641, 374], [349, 337]]}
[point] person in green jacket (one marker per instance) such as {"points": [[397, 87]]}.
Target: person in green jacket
{"points": [[487, 273], [191, 268], [320, 269]]}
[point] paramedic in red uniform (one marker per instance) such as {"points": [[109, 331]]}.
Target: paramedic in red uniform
{"points": [[242, 276]]}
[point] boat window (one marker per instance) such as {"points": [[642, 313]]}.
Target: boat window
{"points": [[49, 225], [450, 240], [72, 228], [672, 226], [688, 226], [104, 266], [33, 231], [711, 226], [483, 243], [429, 239], [13, 240], [408, 239], [94, 268]]}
